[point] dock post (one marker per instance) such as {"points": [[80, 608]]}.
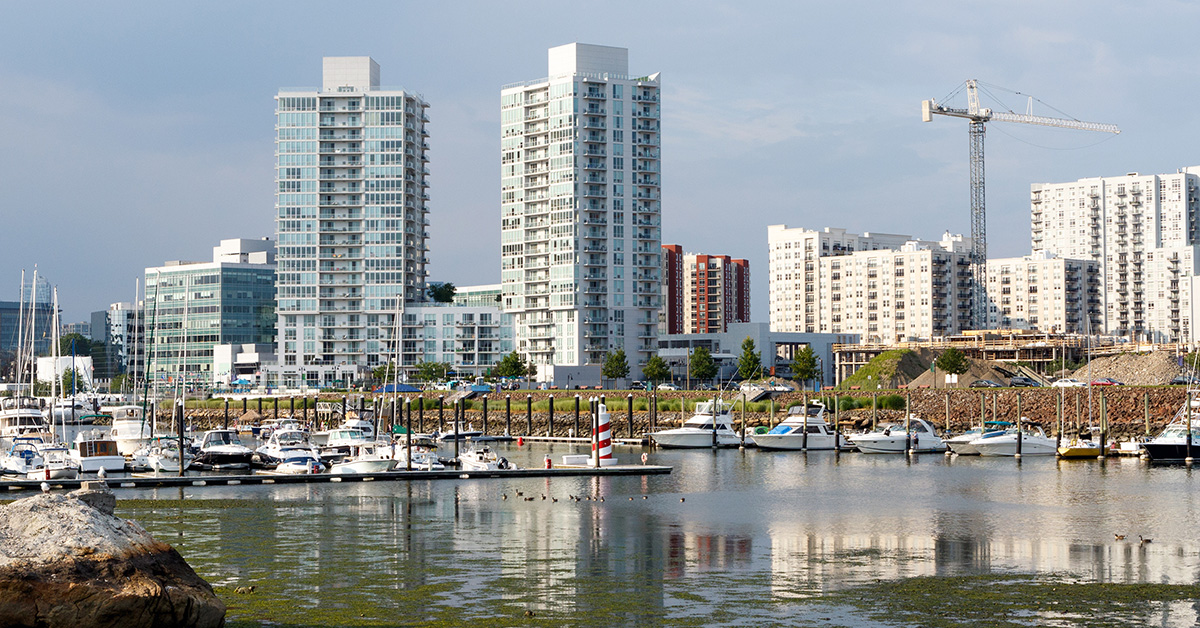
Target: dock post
{"points": [[629, 413], [1019, 434], [243, 406], [576, 432], [1103, 425], [408, 433], [179, 412], [908, 444], [441, 409], [508, 415], [421, 413], [260, 407], [345, 401], [374, 416], [457, 425], [392, 419], [1188, 410], [225, 421], [874, 410], [743, 400], [361, 400], [982, 409], [947, 410], [528, 414], [485, 416], [1146, 408], [550, 418], [275, 402], [1058, 423], [292, 407]]}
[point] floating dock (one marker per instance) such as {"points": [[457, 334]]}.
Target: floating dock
{"points": [[167, 481]]}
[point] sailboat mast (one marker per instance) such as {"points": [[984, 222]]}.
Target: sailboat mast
{"points": [[55, 349], [19, 374], [151, 355], [33, 332]]}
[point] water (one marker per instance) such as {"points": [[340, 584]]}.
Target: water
{"points": [[730, 537]]}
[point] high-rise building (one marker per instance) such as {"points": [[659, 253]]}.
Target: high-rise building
{"points": [[351, 220], [884, 287], [121, 331], [1143, 231], [580, 207], [192, 306], [1043, 292], [703, 293]]}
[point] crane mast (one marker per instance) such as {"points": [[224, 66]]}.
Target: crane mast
{"points": [[977, 118]]}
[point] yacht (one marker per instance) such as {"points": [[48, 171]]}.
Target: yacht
{"points": [[1172, 444], [1081, 446], [961, 444], [338, 442], [57, 463], [1034, 442], [709, 426], [365, 458], [790, 434], [161, 455], [20, 415], [282, 440], [423, 458], [482, 459], [95, 450], [892, 438], [458, 433], [221, 449], [23, 458], [130, 429], [270, 426], [299, 461], [76, 410]]}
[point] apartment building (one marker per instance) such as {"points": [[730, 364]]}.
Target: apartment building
{"points": [[703, 293], [581, 207], [1044, 292], [1143, 231]]}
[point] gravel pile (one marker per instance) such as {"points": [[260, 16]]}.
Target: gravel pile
{"points": [[1136, 369]]}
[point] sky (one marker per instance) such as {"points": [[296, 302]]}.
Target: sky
{"points": [[133, 133]]}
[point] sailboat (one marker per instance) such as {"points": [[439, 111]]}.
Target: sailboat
{"points": [[1081, 446]]}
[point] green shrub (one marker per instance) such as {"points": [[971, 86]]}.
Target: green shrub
{"points": [[891, 402]]}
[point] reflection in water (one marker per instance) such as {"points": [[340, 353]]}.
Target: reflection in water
{"points": [[797, 526]]}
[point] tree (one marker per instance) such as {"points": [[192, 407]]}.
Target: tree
{"points": [[442, 291], [73, 381], [431, 371], [83, 346], [384, 372], [656, 369], [119, 382], [615, 365], [701, 365], [804, 365], [750, 362], [511, 365], [952, 361]]}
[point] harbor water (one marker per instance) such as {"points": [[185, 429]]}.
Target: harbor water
{"points": [[731, 537]]}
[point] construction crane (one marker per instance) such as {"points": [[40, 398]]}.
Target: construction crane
{"points": [[977, 118]]}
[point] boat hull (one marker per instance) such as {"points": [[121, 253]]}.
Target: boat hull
{"points": [[694, 439], [363, 466], [898, 444], [1169, 452], [1005, 446], [92, 464], [62, 473], [795, 442], [222, 460]]}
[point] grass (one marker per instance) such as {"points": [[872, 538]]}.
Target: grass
{"points": [[880, 369]]}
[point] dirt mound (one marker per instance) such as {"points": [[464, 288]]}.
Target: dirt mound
{"points": [[1136, 369], [890, 369], [980, 369]]}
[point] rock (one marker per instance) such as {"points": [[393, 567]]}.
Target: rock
{"points": [[65, 560]]}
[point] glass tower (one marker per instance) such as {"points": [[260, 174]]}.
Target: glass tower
{"points": [[351, 220], [580, 206]]}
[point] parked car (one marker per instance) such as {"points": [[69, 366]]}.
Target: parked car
{"points": [[1185, 380], [1023, 382], [1067, 382], [667, 386], [1106, 381], [705, 387], [985, 383]]}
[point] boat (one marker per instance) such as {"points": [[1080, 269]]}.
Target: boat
{"points": [[961, 444], [366, 427], [22, 458], [270, 426], [282, 440], [482, 459], [57, 463], [457, 432], [1080, 447], [709, 426], [339, 441], [72, 411], [161, 454], [891, 438], [130, 429], [365, 458], [20, 415], [95, 450], [424, 458], [1171, 445], [299, 461], [1034, 442], [790, 434], [221, 449]]}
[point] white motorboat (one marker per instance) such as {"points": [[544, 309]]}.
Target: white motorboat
{"points": [[299, 461], [282, 439], [482, 459], [76, 410], [130, 429], [23, 458], [20, 415], [892, 438], [57, 464], [366, 458], [161, 454], [423, 458], [221, 449], [709, 426], [457, 432], [1034, 442], [366, 427], [270, 426], [961, 444], [95, 450], [339, 441], [790, 434]]}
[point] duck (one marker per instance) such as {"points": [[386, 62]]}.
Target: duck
{"points": [[1143, 540], [1119, 537]]}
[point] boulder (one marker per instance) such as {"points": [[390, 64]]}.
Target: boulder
{"points": [[64, 561]]}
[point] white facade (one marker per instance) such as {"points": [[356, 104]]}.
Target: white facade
{"points": [[471, 339], [882, 287], [580, 205], [52, 369], [1143, 230], [1043, 292], [351, 220]]}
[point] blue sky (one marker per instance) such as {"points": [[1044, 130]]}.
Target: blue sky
{"points": [[134, 133]]}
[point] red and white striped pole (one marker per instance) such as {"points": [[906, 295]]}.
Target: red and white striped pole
{"points": [[602, 445]]}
